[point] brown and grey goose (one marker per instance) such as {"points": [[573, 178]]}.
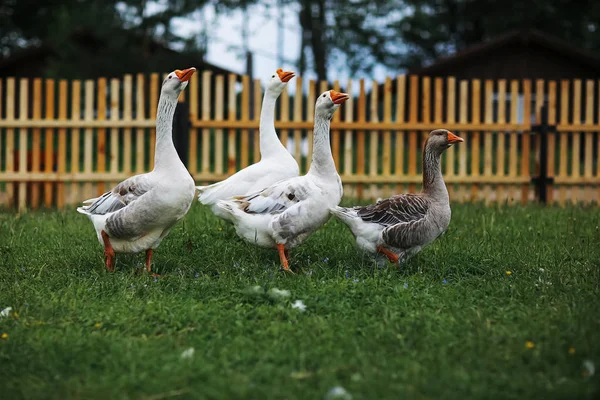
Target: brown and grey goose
{"points": [[400, 226]]}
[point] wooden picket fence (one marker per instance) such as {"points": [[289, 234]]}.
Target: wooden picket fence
{"points": [[66, 141]]}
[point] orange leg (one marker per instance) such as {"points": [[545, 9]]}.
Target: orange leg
{"points": [[391, 256], [149, 260], [109, 253], [283, 255]]}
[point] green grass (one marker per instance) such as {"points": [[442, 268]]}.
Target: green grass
{"points": [[450, 325]]}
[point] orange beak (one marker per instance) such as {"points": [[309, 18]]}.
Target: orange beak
{"points": [[452, 138], [186, 74], [285, 76], [337, 97]]}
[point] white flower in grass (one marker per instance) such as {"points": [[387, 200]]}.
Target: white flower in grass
{"points": [[6, 312], [589, 369], [188, 353], [299, 304], [278, 294], [338, 393]]}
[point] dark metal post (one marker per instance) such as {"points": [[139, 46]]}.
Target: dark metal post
{"points": [[181, 131], [542, 181]]}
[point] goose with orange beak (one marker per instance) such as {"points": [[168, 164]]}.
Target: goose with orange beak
{"points": [[137, 214], [275, 164], [399, 227], [283, 215]]}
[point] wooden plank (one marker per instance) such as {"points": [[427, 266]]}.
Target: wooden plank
{"points": [[62, 142], [462, 150], [245, 117], [88, 137], [488, 155], [348, 139], [387, 135], [49, 143], [258, 95], [551, 138], [575, 157], [140, 114], [10, 139], [36, 146], [284, 115], [127, 115], [360, 137], [154, 96], [589, 140], [513, 165], [374, 138], [75, 196], [310, 117], [425, 108], [192, 88], [231, 145], [525, 149], [475, 136], [450, 119], [101, 133], [564, 140], [114, 132], [23, 134], [219, 115], [539, 102], [399, 133], [413, 145], [500, 150], [206, 110], [298, 117]]}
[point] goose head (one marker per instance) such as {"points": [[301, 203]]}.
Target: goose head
{"points": [[176, 81], [328, 102], [440, 139], [279, 80]]}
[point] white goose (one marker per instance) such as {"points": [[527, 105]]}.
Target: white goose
{"points": [[402, 225], [285, 214], [139, 212], [276, 162]]}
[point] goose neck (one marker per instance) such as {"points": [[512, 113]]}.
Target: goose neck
{"points": [[269, 142], [165, 154], [322, 159], [433, 181]]}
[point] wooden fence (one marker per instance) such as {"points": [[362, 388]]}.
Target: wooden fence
{"points": [[66, 141]]}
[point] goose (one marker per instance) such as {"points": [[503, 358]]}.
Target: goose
{"points": [[402, 225], [138, 213], [275, 164], [283, 215]]}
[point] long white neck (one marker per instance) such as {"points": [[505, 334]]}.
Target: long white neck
{"points": [[269, 142], [433, 181], [322, 160], [165, 154]]}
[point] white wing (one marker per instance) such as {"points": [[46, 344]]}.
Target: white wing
{"points": [[119, 197]]}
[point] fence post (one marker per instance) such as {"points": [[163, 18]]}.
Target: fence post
{"points": [[181, 131], [542, 181]]}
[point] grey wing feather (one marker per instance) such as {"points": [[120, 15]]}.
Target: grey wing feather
{"points": [[120, 196], [398, 209], [274, 199]]}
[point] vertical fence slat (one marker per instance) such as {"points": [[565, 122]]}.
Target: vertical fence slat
{"points": [[425, 108], [88, 116], [575, 160], [140, 115], [310, 116], [399, 134], [526, 146], [127, 116], [450, 118], [10, 138], [501, 145], [231, 145], [245, 117], [219, 115], [564, 140], [488, 138], [192, 163], [206, 109], [257, 107], [413, 145], [36, 147], [62, 142], [589, 140], [23, 114], [475, 136], [514, 136], [75, 140], [49, 142], [462, 150], [101, 133], [539, 102], [114, 132], [387, 135], [348, 139], [154, 94], [360, 137], [551, 138], [374, 139], [298, 118], [284, 115]]}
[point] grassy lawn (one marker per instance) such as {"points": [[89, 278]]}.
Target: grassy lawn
{"points": [[505, 305]]}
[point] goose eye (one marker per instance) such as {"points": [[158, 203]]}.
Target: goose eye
{"points": [[324, 95], [273, 76], [170, 77]]}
